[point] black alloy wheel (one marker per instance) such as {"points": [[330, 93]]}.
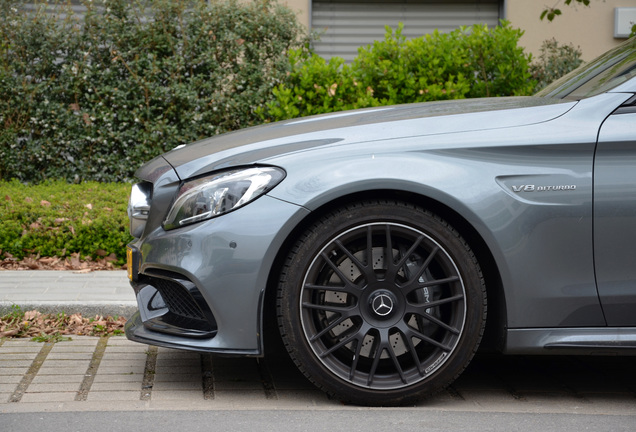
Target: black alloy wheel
{"points": [[381, 303]]}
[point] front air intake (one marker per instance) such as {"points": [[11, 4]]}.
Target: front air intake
{"points": [[170, 303]]}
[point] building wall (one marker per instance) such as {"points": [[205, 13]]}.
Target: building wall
{"points": [[589, 28], [302, 8]]}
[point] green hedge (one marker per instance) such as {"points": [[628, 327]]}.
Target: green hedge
{"points": [[58, 219], [92, 99], [472, 61]]}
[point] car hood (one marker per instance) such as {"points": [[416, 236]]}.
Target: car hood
{"points": [[257, 144]]}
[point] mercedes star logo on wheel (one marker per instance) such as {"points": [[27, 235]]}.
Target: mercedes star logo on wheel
{"points": [[382, 305]]}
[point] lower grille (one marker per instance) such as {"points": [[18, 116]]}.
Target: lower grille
{"points": [[178, 299], [173, 304]]}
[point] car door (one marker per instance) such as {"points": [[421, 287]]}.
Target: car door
{"points": [[615, 216]]}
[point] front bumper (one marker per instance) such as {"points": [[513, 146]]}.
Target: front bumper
{"points": [[201, 287]]}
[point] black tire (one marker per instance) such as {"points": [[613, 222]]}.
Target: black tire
{"points": [[374, 331]]}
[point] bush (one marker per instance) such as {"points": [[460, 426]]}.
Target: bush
{"points": [[58, 219], [92, 99], [468, 62], [317, 86], [554, 61], [423, 69], [497, 65]]}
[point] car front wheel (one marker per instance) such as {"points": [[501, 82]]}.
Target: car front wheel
{"points": [[381, 303]]}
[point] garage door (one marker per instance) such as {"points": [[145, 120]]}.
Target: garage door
{"points": [[344, 26]]}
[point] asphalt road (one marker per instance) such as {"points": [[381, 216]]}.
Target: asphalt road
{"points": [[377, 420], [112, 383]]}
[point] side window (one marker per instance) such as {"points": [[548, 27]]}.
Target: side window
{"points": [[601, 75]]}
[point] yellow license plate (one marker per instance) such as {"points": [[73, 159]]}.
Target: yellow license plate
{"points": [[129, 262]]}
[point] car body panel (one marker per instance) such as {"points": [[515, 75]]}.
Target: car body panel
{"points": [[474, 173], [232, 260], [615, 218], [628, 87], [567, 341], [370, 125]]}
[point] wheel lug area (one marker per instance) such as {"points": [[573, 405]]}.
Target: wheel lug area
{"points": [[382, 307], [382, 303]]}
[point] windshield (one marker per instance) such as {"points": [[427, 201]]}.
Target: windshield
{"points": [[603, 74]]}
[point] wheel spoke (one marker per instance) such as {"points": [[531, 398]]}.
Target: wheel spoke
{"points": [[435, 303], [406, 255], [377, 350], [420, 311], [414, 356], [396, 363], [356, 359], [345, 280], [392, 267], [330, 327], [343, 289], [347, 337], [344, 310], [420, 271], [366, 270], [410, 287], [388, 254], [370, 248], [410, 332]]}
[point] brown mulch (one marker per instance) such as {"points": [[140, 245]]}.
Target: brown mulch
{"points": [[34, 324], [72, 262]]}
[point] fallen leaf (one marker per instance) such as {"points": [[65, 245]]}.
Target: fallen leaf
{"points": [[29, 315], [84, 270], [31, 264], [9, 333]]}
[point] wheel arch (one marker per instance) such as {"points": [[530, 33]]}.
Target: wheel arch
{"points": [[496, 323]]}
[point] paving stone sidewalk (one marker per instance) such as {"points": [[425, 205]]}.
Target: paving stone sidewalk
{"points": [[93, 373], [114, 374]]}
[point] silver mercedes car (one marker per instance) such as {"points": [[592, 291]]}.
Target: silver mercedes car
{"points": [[387, 245]]}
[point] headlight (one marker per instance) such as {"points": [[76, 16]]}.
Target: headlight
{"points": [[211, 196]]}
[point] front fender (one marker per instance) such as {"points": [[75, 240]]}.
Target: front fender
{"points": [[476, 181]]}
